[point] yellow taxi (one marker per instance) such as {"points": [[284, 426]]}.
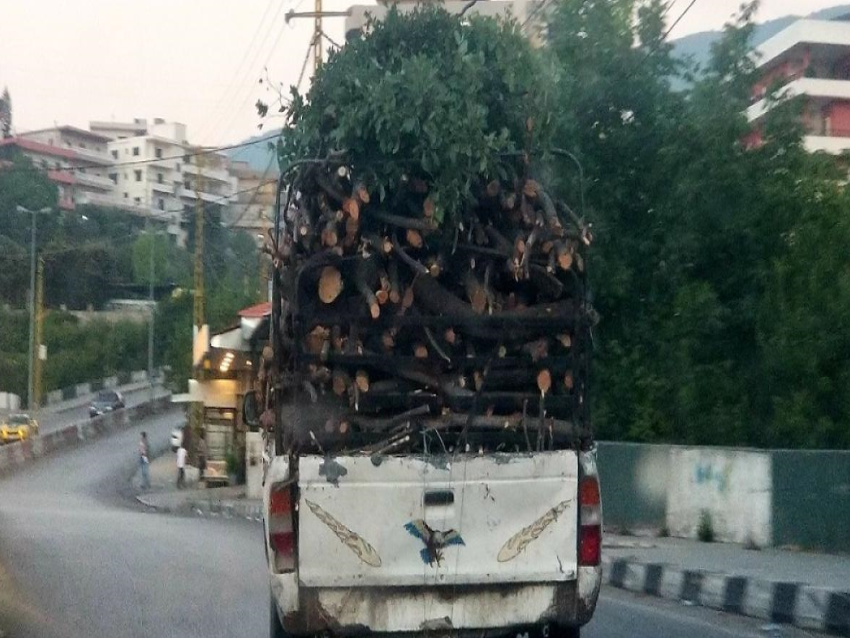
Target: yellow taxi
{"points": [[17, 427]]}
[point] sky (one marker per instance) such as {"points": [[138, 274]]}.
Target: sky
{"points": [[193, 61]]}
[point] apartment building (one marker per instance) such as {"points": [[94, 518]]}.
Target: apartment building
{"points": [[160, 175], [75, 159], [253, 209], [810, 58]]}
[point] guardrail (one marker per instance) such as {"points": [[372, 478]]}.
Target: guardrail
{"points": [[16, 455], [82, 389]]}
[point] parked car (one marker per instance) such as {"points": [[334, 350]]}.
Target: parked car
{"points": [[176, 438], [106, 401], [17, 427]]}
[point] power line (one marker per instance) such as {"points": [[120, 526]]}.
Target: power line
{"points": [[263, 182], [238, 70], [209, 151], [664, 35]]}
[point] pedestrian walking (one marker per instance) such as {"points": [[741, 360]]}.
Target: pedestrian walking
{"points": [[144, 461], [181, 467]]}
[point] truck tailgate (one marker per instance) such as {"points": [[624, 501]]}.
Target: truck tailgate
{"points": [[428, 520]]}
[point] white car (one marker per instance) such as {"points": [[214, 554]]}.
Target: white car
{"points": [[478, 544], [176, 438]]}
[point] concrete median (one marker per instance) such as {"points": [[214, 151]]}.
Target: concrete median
{"points": [[16, 455]]}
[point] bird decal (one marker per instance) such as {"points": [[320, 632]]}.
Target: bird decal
{"points": [[435, 540]]}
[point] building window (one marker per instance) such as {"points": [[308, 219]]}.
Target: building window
{"points": [[114, 154], [160, 204], [157, 153], [138, 175], [114, 177], [44, 164], [50, 141], [82, 170], [187, 185], [58, 166], [82, 144], [137, 201], [178, 167], [135, 151], [126, 196], [159, 178]]}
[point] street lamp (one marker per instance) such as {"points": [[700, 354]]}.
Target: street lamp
{"points": [[30, 379]]}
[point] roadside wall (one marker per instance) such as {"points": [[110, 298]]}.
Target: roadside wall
{"points": [[731, 487], [762, 497], [811, 500], [83, 389], [16, 455], [634, 481]]}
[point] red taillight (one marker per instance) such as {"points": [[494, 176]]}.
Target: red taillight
{"points": [[590, 519], [590, 545], [282, 528], [588, 491]]}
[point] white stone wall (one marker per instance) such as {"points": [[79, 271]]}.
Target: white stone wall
{"points": [[733, 486]]}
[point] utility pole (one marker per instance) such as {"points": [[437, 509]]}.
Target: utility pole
{"points": [[32, 353], [151, 305], [198, 307], [39, 332], [317, 14]]}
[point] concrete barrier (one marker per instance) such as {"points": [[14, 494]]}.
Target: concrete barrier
{"points": [[139, 376], [82, 389], [16, 455], [761, 497]]}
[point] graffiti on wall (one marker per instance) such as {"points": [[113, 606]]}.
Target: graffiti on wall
{"points": [[714, 475]]}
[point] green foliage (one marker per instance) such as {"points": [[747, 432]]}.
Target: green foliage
{"points": [[76, 351], [5, 114], [172, 264], [425, 94], [705, 530], [718, 269]]}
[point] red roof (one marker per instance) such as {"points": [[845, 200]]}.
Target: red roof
{"points": [[38, 147], [258, 311]]}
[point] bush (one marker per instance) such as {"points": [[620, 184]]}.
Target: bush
{"points": [[705, 531]]}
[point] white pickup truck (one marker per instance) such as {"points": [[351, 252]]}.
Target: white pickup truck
{"points": [[463, 544]]}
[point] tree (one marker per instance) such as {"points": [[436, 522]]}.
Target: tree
{"points": [[5, 114], [172, 264]]}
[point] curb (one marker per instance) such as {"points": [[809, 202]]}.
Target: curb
{"points": [[791, 603], [252, 511]]}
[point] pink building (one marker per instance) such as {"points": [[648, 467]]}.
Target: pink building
{"points": [[810, 58]]}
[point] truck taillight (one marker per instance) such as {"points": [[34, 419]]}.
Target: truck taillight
{"points": [[590, 520], [282, 528]]}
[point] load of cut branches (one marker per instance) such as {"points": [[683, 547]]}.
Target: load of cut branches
{"points": [[430, 292]]}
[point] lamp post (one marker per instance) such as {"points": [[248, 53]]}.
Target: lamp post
{"points": [[30, 377]]}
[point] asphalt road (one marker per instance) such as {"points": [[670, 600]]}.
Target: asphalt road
{"points": [[50, 420], [78, 559]]}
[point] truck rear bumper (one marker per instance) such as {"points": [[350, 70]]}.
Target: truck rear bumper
{"points": [[359, 610]]}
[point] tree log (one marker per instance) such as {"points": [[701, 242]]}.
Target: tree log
{"points": [[330, 284]]}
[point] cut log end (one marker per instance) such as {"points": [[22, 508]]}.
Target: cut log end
{"points": [[351, 207], [420, 351], [330, 284], [568, 381], [428, 208], [414, 238], [361, 380], [375, 309], [544, 381]]}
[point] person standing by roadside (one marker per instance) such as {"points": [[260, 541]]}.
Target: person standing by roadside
{"points": [[181, 467], [144, 461]]}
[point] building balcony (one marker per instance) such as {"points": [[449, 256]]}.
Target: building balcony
{"points": [[211, 198], [98, 199], [164, 187], [207, 173], [94, 181], [93, 157], [816, 34], [835, 144], [814, 88]]}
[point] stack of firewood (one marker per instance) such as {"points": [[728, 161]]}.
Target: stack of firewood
{"points": [[481, 317]]}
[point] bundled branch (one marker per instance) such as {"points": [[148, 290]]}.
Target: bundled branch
{"points": [[390, 314]]}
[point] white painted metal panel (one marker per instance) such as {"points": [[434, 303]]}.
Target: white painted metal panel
{"points": [[512, 519]]}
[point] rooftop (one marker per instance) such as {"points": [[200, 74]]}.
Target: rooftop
{"points": [[830, 33], [72, 130], [38, 147]]}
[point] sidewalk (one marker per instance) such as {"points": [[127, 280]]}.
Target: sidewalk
{"points": [[808, 590], [164, 495]]}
